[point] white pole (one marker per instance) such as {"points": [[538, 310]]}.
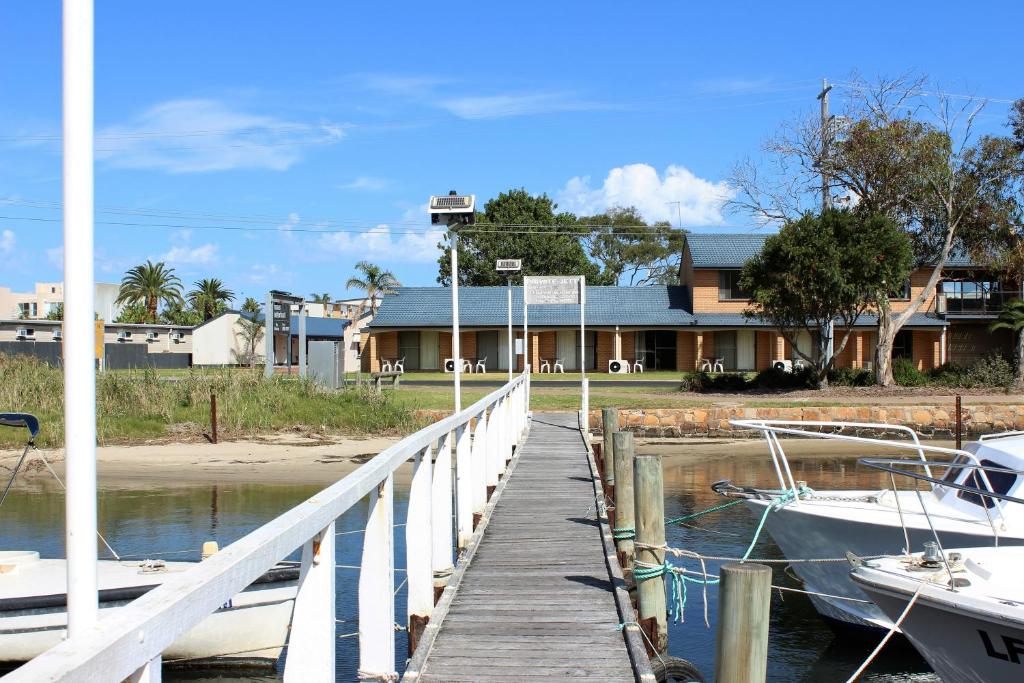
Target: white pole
{"points": [[79, 341], [526, 342], [511, 349], [456, 351], [584, 387]]}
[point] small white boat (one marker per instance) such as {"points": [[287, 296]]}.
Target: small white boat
{"points": [[249, 631], [967, 620], [826, 524]]}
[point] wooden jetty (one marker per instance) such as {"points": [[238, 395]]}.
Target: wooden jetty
{"points": [[541, 597]]}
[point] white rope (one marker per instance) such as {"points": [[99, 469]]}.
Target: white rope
{"points": [[895, 627], [65, 488]]}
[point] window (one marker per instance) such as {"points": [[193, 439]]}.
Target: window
{"points": [[903, 345], [589, 348], [1001, 482], [901, 293], [729, 286], [656, 349], [725, 348], [409, 347]]}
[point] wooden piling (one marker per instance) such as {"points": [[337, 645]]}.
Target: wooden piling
{"points": [[959, 422], [213, 417], [625, 505], [741, 654], [609, 425], [649, 501]]}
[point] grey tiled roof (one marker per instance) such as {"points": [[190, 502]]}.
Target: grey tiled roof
{"points": [[866, 320], [488, 306], [723, 250]]}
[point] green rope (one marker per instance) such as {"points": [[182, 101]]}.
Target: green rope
{"points": [[623, 533], [715, 508], [776, 503], [676, 584]]}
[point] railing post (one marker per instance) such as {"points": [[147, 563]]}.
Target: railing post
{"points": [[464, 484], [479, 466], [311, 645], [649, 501], [441, 514], [377, 586], [744, 604], [418, 544], [150, 672], [491, 445], [510, 426]]}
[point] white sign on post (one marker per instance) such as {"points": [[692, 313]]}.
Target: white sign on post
{"points": [[553, 289]]}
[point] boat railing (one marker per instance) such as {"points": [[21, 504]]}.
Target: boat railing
{"points": [[1000, 435], [803, 428], [126, 644], [895, 467]]}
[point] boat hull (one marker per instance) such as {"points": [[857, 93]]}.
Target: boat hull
{"points": [[810, 536]]}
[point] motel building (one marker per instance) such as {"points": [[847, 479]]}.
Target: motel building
{"points": [[696, 323]]}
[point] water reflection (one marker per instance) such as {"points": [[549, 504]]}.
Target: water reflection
{"points": [[173, 523], [802, 646]]}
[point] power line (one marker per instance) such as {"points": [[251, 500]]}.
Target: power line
{"points": [[928, 93]]}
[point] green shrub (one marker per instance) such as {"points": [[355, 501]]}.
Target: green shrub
{"points": [[906, 374], [993, 370], [776, 378], [701, 382], [851, 377]]}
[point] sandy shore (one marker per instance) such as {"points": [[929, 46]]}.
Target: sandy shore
{"points": [[282, 459], [290, 459]]}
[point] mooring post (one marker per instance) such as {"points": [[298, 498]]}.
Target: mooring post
{"points": [[625, 505], [213, 417], [743, 605], [609, 425], [959, 423], [649, 503]]}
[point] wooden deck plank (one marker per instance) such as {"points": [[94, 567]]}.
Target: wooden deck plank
{"points": [[537, 601]]}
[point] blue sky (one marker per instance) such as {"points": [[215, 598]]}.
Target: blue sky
{"points": [[347, 116]]}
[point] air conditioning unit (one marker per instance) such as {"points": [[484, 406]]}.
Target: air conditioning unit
{"points": [[784, 365], [58, 334], [124, 335], [25, 333], [152, 336], [449, 365], [617, 366], [940, 304], [177, 336]]}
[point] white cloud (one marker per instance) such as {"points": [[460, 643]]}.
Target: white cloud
{"points": [[523, 104], [286, 227], [640, 185], [259, 274], [381, 242], [188, 255], [196, 135], [367, 183], [55, 255], [7, 242]]}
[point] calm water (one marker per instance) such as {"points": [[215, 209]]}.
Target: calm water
{"points": [[160, 520]]}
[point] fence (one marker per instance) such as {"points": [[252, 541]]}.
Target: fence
{"points": [[128, 642]]}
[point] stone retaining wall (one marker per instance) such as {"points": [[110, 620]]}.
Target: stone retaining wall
{"points": [[933, 421]]}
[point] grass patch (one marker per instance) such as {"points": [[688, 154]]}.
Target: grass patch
{"points": [[144, 404]]}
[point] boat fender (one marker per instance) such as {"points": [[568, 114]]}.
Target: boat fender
{"points": [[668, 669]]}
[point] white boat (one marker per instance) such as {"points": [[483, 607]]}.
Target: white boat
{"points": [[249, 631], [826, 524]]}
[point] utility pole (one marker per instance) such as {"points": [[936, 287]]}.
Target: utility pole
{"points": [[826, 138]]}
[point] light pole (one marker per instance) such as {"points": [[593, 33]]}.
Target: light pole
{"points": [[451, 210], [510, 265]]}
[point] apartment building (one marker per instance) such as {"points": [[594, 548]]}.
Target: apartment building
{"points": [[698, 323], [47, 296]]}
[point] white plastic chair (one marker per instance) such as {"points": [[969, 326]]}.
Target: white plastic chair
{"points": [[385, 366], [467, 366], [705, 365], [559, 366], [719, 365], [481, 364], [638, 366], [545, 365], [400, 364]]}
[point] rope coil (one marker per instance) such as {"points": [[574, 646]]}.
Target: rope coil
{"points": [[623, 533]]}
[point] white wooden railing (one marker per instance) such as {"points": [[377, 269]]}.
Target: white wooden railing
{"points": [[127, 643]]}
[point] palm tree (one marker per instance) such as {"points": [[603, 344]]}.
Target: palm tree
{"points": [[209, 296], [251, 333], [375, 281], [250, 305], [150, 284], [324, 298], [1012, 318]]}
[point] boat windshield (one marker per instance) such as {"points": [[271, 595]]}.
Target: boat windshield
{"points": [[998, 475]]}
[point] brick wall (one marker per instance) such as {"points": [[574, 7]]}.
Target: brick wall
{"points": [[918, 279], [387, 348], [467, 343], [628, 346], [445, 339], [686, 351], [546, 348], [605, 349], [371, 358], [927, 353], [765, 350], [705, 294]]}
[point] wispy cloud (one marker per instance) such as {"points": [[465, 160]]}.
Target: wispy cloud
{"points": [[192, 256], [367, 183], [201, 135], [406, 86], [639, 185], [521, 104], [7, 242], [382, 242]]}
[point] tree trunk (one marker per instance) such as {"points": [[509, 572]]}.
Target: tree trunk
{"points": [[1018, 376], [883, 351]]}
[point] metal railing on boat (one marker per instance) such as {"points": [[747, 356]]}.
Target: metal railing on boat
{"points": [[127, 644]]}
